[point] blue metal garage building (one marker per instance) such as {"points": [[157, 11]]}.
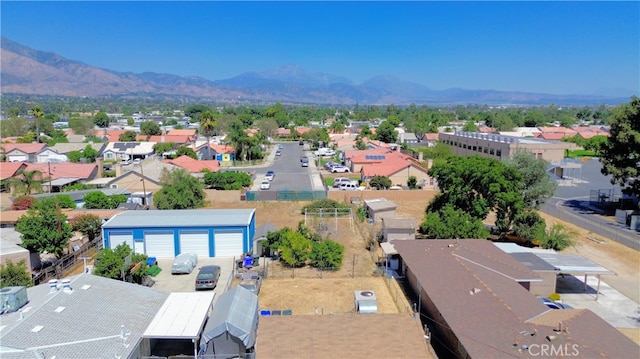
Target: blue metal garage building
{"points": [[164, 234]]}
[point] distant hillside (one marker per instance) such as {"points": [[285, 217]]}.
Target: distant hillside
{"points": [[32, 72]]}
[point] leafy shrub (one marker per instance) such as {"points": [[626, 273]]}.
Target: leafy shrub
{"points": [[227, 180], [326, 254], [65, 201], [361, 213], [380, 182], [23, 202], [412, 182]]}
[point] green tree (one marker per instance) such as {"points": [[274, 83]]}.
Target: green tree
{"points": [[15, 274], [316, 136], [150, 128], [180, 190], [537, 185], [558, 237], [99, 200], [295, 249], [476, 185], [27, 182], [386, 133], [65, 201], [88, 224], [127, 136], [412, 182], [227, 180], [111, 263], [37, 114], [451, 223], [380, 182], [90, 154], [186, 151], [267, 126], [162, 147], [194, 111], [101, 119], [44, 228], [529, 225], [326, 254], [208, 127], [81, 126], [470, 126], [620, 155]]}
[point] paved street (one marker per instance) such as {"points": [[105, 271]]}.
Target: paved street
{"points": [[571, 203]]}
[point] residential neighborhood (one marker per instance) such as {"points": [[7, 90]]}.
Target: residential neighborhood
{"points": [[369, 239]]}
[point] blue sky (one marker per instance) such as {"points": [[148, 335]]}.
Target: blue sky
{"points": [[546, 47]]}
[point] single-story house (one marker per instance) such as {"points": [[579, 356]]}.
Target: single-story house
{"points": [[408, 138], [80, 317], [342, 336], [133, 181], [65, 148], [398, 228], [195, 167], [22, 152], [379, 208], [231, 331], [117, 151], [167, 233], [398, 171], [484, 309], [63, 174]]}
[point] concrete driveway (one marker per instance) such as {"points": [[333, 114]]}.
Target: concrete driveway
{"points": [[167, 282]]}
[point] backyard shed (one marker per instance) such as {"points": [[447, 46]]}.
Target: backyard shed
{"points": [[261, 235], [379, 208], [232, 328], [167, 233], [398, 228]]}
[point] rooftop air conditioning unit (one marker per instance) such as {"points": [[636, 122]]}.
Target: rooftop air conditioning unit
{"points": [[365, 302]]}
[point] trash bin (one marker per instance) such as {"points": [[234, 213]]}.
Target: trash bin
{"points": [[151, 261], [248, 261]]}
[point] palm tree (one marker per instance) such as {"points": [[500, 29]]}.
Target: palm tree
{"points": [[37, 114], [558, 237], [25, 182], [208, 125]]}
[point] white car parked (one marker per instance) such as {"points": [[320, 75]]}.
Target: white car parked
{"points": [[339, 169], [265, 184]]}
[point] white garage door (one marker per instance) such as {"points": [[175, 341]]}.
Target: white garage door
{"points": [[117, 238], [228, 244], [159, 244], [195, 242]]}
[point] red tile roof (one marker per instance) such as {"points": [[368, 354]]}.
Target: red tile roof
{"points": [[303, 130], [195, 166], [222, 148], [178, 139], [65, 170], [349, 154], [24, 147], [9, 169], [183, 132], [112, 135], [431, 136], [283, 132], [559, 129], [552, 135]]}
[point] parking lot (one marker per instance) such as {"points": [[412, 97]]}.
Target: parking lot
{"points": [[167, 282]]}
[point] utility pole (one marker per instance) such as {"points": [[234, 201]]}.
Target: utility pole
{"points": [[144, 190]]}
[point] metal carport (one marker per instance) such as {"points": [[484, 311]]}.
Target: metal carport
{"points": [[575, 265], [182, 316]]}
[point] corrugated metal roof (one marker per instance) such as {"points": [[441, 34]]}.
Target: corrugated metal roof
{"points": [[181, 316], [573, 264], [181, 218]]}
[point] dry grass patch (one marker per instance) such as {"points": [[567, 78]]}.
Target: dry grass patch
{"points": [[329, 295]]}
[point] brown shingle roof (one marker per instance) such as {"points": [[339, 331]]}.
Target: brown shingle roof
{"points": [[500, 312], [341, 336]]}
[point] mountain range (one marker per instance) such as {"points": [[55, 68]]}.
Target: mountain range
{"points": [[32, 72]]}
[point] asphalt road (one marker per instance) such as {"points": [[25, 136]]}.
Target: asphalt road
{"points": [[571, 203], [290, 175]]}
